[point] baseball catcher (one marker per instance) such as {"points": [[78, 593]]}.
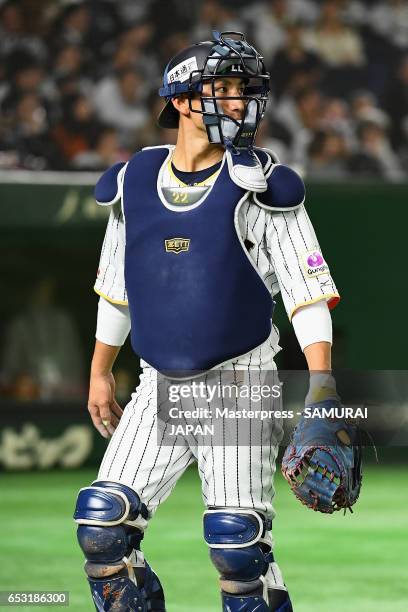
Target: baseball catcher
{"points": [[202, 235]]}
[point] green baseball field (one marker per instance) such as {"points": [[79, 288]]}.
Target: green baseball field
{"points": [[352, 563]]}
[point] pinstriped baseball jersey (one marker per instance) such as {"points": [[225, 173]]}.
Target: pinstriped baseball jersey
{"points": [[284, 247]]}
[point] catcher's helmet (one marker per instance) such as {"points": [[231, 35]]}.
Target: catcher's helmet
{"points": [[204, 63]]}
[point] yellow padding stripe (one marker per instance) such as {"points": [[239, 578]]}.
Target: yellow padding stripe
{"points": [[332, 300], [121, 303]]}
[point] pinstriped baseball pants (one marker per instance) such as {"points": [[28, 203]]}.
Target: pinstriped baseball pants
{"points": [[236, 475]]}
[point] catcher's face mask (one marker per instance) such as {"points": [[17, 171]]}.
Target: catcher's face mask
{"points": [[207, 63]]}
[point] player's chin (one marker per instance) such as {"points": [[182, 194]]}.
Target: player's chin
{"points": [[236, 117]]}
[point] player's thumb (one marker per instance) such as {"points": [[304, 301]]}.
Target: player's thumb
{"points": [[105, 414]]}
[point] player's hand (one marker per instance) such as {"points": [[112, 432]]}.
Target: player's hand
{"points": [[102, 406]]}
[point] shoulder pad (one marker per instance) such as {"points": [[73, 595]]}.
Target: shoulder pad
{"points": [[108, 189], [286, 190], [263, 157], [266, 157]]}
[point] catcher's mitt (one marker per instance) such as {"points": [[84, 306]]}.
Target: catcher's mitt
{"points": [[322, 463]]}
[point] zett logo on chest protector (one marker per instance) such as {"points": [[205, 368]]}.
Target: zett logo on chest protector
{"points": [[177, 245]]}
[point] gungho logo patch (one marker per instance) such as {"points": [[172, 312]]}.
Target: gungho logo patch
{"points": [[314, 263], [177, 245]]}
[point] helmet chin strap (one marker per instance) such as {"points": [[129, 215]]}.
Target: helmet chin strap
{"points": [[229, 129]]}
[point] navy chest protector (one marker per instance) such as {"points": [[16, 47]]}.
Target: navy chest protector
{"points": [[195, 299]]}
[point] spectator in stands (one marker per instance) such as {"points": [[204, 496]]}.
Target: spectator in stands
{"points": [[104, 26], [267, 22], [124, 56], [120, 101], [73, 25], [69, 60], [30, 115], [134, 49], [27, 133], [294, 67], [306, 11], [365, 108], [301, 117], [71, 73], [67, 85], [42, 345], [170, 45], [77, 131], [335, 43], [106, 152], [375, 157], [355, 12], [390, 19], [274, 136], [131, 11], [216, 13], [14, 35], [179, 15], [25, 75], [138, 36], [327, 156], [336, 116]]}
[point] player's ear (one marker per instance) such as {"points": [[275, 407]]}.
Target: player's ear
{"points": [[181, 105]]}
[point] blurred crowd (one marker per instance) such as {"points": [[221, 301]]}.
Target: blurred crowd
{"points": [[79, 79]]}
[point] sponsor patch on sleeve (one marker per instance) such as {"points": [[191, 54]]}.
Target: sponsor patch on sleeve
{"points": [[314, 263], [181, 72]]}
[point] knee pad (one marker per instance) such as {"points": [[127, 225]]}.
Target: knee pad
{"points": [[241, 552], [105, 512], [109, 517]]}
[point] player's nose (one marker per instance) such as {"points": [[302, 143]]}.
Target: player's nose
{"points": [[235, 107]]}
